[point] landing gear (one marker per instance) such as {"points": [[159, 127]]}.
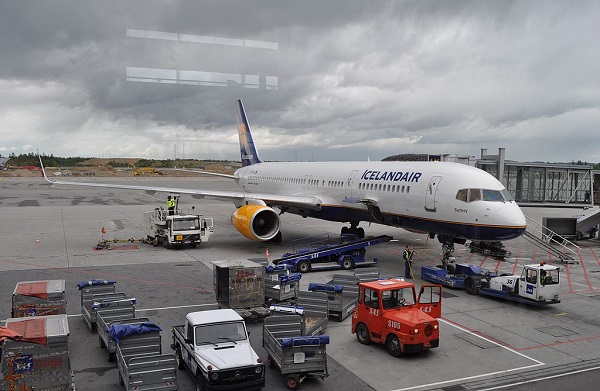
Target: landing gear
{"points": [[447, 250], [354, 229]]}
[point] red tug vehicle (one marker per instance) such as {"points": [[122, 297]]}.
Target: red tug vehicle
{"points": [[390, 313]]}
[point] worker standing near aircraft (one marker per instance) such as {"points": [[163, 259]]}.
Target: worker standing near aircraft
{"points": [[171, 205], [407, 256]]}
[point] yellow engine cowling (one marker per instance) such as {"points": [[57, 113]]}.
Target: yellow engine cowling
{"points": [[256, 222]]}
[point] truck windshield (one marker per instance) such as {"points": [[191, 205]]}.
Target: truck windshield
{"points": [[185, 225], [220, 332], [397, 298]]}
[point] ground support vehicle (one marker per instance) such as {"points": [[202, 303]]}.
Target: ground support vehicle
{"points": [[537, 285], [316, 311], [141, 363], [110, 313], [347, 255], [494, 249], [296, 355], [390, 313], [281, 285], [39, 359], [214, 346], [100, 289], [176, 230], [39, 298], [240, 285]]}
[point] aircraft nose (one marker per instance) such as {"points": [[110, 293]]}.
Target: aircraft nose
{"points": [[510, 215]]}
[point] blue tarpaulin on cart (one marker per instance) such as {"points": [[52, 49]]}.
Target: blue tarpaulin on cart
{"points": [[276, 268], [84, 284], [304, 341], [292, 277], [119, 331], [315, 287]]}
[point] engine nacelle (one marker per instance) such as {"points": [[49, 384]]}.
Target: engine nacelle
{"points": [[256, 222]]}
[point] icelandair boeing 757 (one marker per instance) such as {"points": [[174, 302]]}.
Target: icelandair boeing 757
{"points": [[454, 201]]}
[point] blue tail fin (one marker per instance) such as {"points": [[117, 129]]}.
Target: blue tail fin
{"points": [[247, 149]]}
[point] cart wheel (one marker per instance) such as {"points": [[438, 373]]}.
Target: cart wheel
{"points": [[292, 382], [393, 345], [155, 241], [270, 362], [110, 356], [303, 266], [340, 317], [362, 334], [102, 344]]}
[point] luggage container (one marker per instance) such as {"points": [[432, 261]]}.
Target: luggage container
{"points": [[240, 285], [316, 311], [40, 359], [142, 366], [109, 313], [39, 298], [102, 289], [295, 355], [281, 285]]}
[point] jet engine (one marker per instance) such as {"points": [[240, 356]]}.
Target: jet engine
{"points": [[256, 222]]}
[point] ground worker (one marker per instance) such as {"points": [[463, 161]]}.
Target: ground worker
{"points": [[407, 256], [171, 205]]}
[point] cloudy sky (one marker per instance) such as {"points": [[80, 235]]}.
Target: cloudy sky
{"points": [[320, 80]]}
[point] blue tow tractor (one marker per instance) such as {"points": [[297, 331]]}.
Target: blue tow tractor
{"points": [[348, 254], [538, 284]]}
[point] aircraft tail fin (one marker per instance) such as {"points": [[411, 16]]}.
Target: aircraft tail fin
{"points": [[247, 148]]}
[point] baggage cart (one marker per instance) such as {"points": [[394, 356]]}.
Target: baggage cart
{"points": [[99, 288], [109, 313], [142, 366], [295, 355], [39, 298], [40, 358], [316, 311], [281, 285], [240, 285]]}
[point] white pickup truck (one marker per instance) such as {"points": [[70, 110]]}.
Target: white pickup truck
{"points": [[214, 347]]}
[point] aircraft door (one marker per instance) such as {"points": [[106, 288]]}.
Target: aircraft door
{"points": [[430, 192], [349, 183]]}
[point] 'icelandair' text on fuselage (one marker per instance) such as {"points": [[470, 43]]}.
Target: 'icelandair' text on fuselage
{"points": [[395, 176]]}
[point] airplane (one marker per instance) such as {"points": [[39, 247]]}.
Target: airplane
{"points": [[454, 201]]}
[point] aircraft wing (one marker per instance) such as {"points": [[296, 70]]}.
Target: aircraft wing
{"points": [[312, 203]]}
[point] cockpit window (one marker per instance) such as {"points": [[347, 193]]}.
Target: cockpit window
{"points": [[492, 195], [470, 195]]}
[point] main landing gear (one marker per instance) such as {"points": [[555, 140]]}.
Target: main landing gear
{"points": [[354, 229], [447, 250]]}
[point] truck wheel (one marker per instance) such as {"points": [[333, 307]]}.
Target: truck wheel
{"points": [[470, 286], [292, 382], [362, 334], [200, 383], [102, 344], [179, 358], [347, 263], [303, 266], [393, 345]]}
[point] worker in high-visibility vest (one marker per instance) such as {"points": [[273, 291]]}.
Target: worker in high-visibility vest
{"points": [[407, 256], [171, 205]]}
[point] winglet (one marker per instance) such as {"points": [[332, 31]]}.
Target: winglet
{"points": [[43, 169], [247, 148]]}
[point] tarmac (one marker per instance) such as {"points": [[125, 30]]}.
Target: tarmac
{"points": [[49, 232]]}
